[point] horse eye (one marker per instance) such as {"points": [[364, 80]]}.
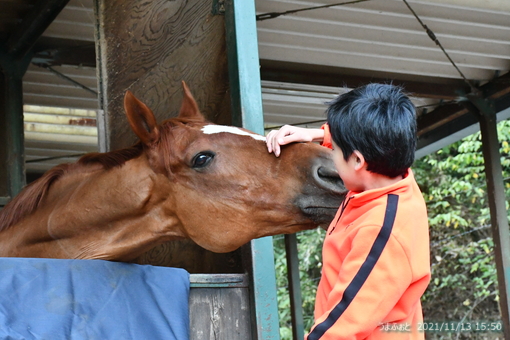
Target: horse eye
{"points": [[202, 159]]}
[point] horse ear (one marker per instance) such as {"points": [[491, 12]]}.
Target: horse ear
{"points": [[189, 107], [141, 119]]}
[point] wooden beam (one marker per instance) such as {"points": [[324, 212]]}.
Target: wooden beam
{"points": [[497, 88], [82, 55], [451, 118], [438, 117], [33, 26], [151, 53], [419, 86]]}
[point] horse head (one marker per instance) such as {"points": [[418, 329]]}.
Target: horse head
{"points": [[186, 178], [222, 186]]}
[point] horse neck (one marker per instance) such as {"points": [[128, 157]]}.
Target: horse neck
{"points": [[94, 213]]}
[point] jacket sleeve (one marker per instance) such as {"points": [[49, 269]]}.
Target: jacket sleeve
{"points": [[362, 296], [327, 137]]}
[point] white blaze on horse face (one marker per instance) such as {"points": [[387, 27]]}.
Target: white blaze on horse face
{"points": [[210, 129]]}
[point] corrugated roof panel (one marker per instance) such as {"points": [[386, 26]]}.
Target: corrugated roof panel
{"points": [[377, 40], [76, 21], [298, 104], [385, 36], [57, 135], [42, 87], [427, 57], [371, 61]]}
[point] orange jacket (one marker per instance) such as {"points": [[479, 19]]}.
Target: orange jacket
{"points": [[376, 266]]}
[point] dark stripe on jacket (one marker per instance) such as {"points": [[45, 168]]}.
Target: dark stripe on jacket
{"points": [[364, 271]]}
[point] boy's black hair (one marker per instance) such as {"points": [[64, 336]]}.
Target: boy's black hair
{"points": [[378, 120]]}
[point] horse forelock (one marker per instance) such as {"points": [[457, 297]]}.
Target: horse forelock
{"points": [[175, 135], [29, 198]]}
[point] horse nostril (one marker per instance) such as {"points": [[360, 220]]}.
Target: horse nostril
{"points": [[327, 172], [328, 177]]}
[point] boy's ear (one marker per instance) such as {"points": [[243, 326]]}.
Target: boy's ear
{"points": [[359, 160]]}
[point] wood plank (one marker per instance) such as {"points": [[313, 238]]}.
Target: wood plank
{"points": [[306, 73], [219, 313]]}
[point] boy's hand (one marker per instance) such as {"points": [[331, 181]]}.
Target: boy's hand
{"points": [[290, 134]]}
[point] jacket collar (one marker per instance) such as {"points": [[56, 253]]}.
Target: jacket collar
{"points": [[400, 187]]}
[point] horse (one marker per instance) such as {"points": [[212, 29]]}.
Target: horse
{"points": [[185, 178]]}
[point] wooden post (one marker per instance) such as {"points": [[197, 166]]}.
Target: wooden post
{"points": [[149, 47], [497, 201], [244, 74]]}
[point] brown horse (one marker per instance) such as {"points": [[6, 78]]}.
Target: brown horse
{"points": [[185, 178]]}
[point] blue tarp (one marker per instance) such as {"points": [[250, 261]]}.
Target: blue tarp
{"points": [[49, 299]]}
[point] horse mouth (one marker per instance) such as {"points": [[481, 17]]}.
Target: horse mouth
{"points": [[319, 214]]}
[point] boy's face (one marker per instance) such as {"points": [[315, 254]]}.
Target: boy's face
{"points": [[348, 170]]}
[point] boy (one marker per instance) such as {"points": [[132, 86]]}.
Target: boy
{"points": [[376, 262]]}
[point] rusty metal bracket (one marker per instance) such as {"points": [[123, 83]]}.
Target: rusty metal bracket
{"points": [[218, 7]]}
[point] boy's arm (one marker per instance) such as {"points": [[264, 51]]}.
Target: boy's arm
{"points": [[362, 296], [289, 134]]}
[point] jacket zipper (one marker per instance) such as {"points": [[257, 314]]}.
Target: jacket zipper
{"points": [[344, 205]]}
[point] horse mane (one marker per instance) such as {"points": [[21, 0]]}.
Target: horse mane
{"points": [[28, 200], [112, 159]]}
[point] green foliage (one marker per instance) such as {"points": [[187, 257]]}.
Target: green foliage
{"points": [[310, 263], [464, 284], [464, 280]]}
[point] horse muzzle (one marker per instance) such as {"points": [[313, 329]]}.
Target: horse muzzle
{"points": [[323, 192]]}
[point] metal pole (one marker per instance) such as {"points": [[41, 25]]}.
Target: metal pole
{"points": [[296, 302], [246, 95], [496, 196]]}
